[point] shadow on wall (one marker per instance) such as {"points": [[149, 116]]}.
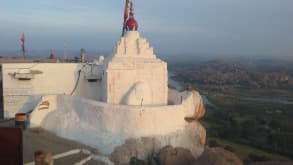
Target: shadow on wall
{"points": [[77, 80], [30, 103], [138, 94], [87, 83]]}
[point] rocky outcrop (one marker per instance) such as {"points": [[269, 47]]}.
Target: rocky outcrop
{"points": [[169, 155], [175, 156], [273, 163], [192, 100], [142, 149], [190, 141], [217, 156], [199, 110]]}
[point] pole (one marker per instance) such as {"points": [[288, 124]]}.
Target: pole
{"points": [[22, 39], [65, 52], [125, 17]]}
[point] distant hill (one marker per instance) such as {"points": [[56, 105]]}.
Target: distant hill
{"points": [[261, 73], [44, 54]]}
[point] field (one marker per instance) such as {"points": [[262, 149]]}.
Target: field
{"points": [[249, 108], [254, 130]]}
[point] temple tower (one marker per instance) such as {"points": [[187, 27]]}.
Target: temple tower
{"points": [[133, 75]]}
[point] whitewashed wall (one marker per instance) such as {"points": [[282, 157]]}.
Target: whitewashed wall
{"points": [[107, 126], [134, 75], [135, 81], [50, 78]]}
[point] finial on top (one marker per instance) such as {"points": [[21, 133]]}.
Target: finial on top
{"points": [[130, 24]]}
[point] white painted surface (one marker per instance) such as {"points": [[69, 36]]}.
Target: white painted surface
{"points": [[133, 45], [83, 161], [106, 126], [48, 78], [133, 75]]}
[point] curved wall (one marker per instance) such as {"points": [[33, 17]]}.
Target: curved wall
{"points": [[107, 126]]}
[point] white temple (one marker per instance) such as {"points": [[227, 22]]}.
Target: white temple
{"points": [[106, 103], [134, 75]]}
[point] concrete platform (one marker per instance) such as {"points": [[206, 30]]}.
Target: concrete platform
{"points": [[39, 139]]}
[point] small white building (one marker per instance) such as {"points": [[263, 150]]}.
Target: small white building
{"points": [[24, 84]]}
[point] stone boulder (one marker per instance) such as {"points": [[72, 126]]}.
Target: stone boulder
{"points": [[192, 138], [217, 156], [272, 163], [175, 156], [141, 149]]}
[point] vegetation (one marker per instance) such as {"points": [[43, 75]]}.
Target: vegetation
{"points": [[263, 125], [247, 153], [249, 109]]}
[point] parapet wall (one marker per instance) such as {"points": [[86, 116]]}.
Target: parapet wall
{"points": [[107, 126]]}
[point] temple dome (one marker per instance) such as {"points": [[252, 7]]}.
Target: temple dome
{"points": [[131, 24]]}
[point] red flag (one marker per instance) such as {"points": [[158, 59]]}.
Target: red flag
{"points": [[125, 16], [22, 39], [126, 10]]}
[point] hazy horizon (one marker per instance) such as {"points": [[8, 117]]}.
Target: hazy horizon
{"points": [[207, 27]]}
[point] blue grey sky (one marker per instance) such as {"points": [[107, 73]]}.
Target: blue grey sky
{"points": [[240, 27]]}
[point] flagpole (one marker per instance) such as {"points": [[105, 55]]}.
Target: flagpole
{"points": [[65, 51], [125, 17], [22, 39]]}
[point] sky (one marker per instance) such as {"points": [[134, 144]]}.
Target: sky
{"points": [[232, 27]]}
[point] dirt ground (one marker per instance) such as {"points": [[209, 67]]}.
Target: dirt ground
{"points": [[39, 139]]}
